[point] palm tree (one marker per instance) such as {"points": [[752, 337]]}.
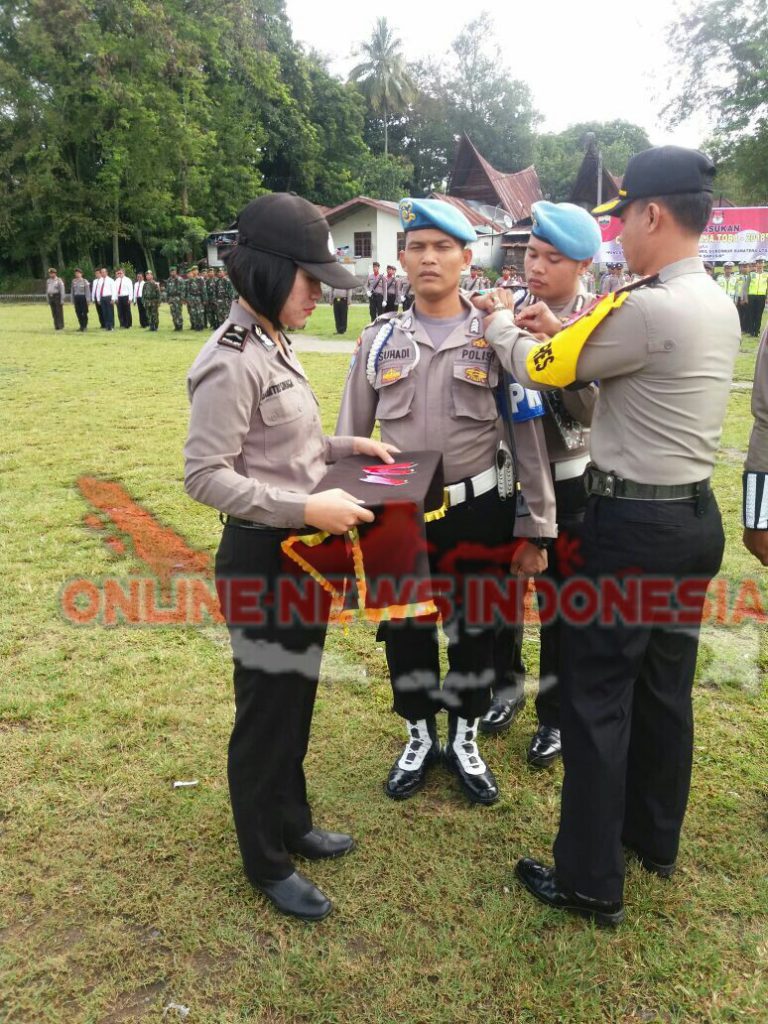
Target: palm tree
{"points": [[383, 78]]}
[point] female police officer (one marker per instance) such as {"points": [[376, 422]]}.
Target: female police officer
{"points": [[255, 451]]}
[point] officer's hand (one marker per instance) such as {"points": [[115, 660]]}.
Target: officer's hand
{"points": [[756, 542], [528, 560], [378, 449], [335, 511], [538, 319], [493, 302]]}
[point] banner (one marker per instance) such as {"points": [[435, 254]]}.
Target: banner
{"points": [[738, 233]]}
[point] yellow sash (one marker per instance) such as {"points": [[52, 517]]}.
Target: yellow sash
{"points": [[554, 362]]}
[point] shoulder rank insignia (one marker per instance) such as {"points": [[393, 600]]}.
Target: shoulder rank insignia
{"points": [[234, 337], [643, 282]]}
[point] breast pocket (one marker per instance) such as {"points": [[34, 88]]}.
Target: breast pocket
{"points": [[286, 419], [472, 391], [395, 395]]}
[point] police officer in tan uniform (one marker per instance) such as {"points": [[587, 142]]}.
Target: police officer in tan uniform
{"points": [[564, 238], [756, 465], [256, 452], [428, 377], [664, 355]]}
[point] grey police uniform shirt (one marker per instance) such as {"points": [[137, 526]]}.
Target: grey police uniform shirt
{"points": [[255, 446], [443, 400], [375, 285], [80, 287], [664, 361], [54, 286], [757, 454]]}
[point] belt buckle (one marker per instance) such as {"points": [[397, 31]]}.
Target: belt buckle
{"points": [[608, 487]]}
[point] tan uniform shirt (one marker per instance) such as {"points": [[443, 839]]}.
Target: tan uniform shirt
{"points": [[255, 447], [664, 361], [757, 455], [443, 400]]}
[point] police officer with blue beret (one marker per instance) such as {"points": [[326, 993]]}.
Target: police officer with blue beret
{"points": [[564, 239], [428, 377]]}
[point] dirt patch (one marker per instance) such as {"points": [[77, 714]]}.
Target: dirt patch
{"points": [[135, 1004]]}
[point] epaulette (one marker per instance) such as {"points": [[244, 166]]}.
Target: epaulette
{"points": [[234, 337], [644, 282]]}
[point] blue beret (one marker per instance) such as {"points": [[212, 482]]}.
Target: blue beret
{"points": [[434, 213], [570, 229]]}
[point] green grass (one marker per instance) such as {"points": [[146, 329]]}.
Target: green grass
{"points": [[119, 895]]}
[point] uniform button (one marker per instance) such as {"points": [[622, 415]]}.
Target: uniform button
{"points": [[668, 346]]}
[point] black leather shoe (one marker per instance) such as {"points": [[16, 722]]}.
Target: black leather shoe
{"points": [[402, 783], [653, 867], [545, 747], [541, 882], [297, 896], [501, 714], [481, 789], [319, 845]]}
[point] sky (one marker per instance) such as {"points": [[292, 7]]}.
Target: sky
{"points": [[578, 68]]}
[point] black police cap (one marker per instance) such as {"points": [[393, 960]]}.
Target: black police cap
{"points": [[662, 171], [284, 224]]}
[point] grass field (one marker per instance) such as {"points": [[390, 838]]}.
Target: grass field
{"points": [[120, 895]]}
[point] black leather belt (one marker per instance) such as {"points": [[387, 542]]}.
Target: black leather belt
{"points": [[246, 524], [609, 485]]}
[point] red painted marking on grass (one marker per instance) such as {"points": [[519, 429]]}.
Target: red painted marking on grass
{"points": [[159, 546]]}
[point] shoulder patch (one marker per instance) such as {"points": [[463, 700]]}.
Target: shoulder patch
{"points": [[644, 282], [234, 337]]}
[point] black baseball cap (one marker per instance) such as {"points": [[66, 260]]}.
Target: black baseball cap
{"points": [[284, 224], [662, 171]]}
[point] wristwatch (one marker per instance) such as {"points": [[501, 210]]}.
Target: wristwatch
{"points": [[543, 543]]}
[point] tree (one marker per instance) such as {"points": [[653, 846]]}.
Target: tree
{"points": [[558, 156], [383, 77], [723, 50]]}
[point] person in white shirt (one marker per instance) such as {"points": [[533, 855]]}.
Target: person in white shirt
{"points": [[138, 291], [123, 297], [98, 283], [107, 299]]}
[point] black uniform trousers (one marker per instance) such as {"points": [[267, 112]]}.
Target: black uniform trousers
{"points": [[756, 308], [99, 313], [57, 311], [81, 310], [340, 314], [124, 311], [375, 305], [276, 671], [471, 543], [563, 561], [107, 313], [627, 721], [143, 318]]}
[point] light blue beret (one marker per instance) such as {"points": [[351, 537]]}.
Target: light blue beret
{"points": [[569, 228], [434, 213]]}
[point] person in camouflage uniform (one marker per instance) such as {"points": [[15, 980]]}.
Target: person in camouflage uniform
{"points": [[175, 293], [151, 299], [196, 299], [211, 310], [225, 295]]}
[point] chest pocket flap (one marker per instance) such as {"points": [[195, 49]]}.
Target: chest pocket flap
{"points": [[472, 389]]}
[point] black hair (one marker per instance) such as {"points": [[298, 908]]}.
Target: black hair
{"points": [[691, 210], [263, 280]]}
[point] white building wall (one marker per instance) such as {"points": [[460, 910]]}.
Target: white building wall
{"points": [[383, 228], [487, 251]]}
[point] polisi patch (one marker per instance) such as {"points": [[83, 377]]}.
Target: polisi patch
{"points": [[234, 337]]}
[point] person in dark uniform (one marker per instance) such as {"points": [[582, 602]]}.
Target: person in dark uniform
{"points": [[81, 297], [664, 357], [54, 289], [428, 377], [563, 240], [340, 299], [391, 290], [255, 450], [375, 290]]}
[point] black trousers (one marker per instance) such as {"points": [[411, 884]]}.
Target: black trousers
{"points": [[340, 314], [755, 317], [124, 311], [470, 544], [627, 722], [143, 318], [99, 313], [390, 305], [375, 305], [108, 313], [81, 310], [57, 311], [276, 672]]}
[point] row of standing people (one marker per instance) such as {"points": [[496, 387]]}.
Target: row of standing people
{"points": [[746, 288], [207, 296]]}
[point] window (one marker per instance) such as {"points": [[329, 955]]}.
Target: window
{"points": [[400, 241], [363, 243]]}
